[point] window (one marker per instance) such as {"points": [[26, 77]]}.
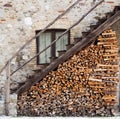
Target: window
{"points": [[46, 39]]}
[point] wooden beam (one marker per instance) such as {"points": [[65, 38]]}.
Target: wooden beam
{"points": [[79, 46]]}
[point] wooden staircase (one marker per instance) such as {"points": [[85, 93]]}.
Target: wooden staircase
{"points": [[87, 38]]}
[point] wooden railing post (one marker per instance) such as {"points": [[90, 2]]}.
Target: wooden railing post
{"points": [[7, 89]]}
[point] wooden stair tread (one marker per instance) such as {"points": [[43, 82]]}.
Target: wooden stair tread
{"points": [[85, 33], [117, 8], [92, 27], [76, 40], [53, 58], [69, 46], [61, 52], [109, 14], [40, 67]]}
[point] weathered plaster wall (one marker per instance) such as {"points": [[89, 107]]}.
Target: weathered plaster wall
{"points": [[19, 19]]}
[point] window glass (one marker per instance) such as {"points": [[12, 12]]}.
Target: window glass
{"points": [[44, 41], [61, 43]]}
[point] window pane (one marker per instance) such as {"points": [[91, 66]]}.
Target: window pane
{"points": [[61, 43], [44, 41]]}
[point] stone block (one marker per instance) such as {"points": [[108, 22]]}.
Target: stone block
{"points": [[12, 109], [13, 98], [2, 108]]}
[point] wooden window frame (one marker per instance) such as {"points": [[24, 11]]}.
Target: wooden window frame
{"points": [[53, 49]]}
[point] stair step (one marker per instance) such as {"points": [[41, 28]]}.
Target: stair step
{"points": [[84, 34], [69, 46], [76, 40], [61, 52], [39, 68], [117, 8], [92, 27], [2, 105], [102, 20], [53, 58], [109, 14]]}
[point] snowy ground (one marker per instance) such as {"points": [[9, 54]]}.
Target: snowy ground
{"points": [[4, 117]]}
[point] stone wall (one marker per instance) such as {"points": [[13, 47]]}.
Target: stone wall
{"points": [[19, 20], [11, 106]]}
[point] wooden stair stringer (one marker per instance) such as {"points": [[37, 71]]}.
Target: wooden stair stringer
{"points": [[77, 47]]}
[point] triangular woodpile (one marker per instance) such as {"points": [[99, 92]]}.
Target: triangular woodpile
{"points": [[85, 85]]}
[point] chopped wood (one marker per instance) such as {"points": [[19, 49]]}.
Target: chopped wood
{"points": [[86, 84]]}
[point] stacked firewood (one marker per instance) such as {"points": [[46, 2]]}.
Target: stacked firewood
{"points": [[85, 85]]}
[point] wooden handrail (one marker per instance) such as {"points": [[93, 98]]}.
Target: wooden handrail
{"points": [[38, 34], [59, 36]]}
